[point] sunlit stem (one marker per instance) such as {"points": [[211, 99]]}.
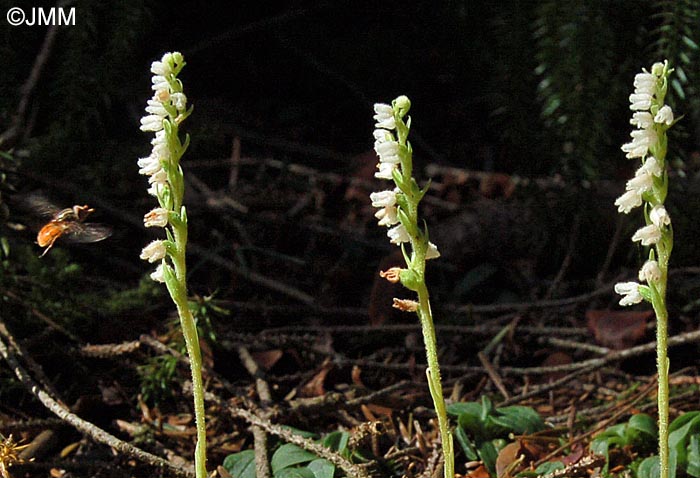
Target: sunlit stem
{"points": [[662, 362], [189, 331], [434, 380]]}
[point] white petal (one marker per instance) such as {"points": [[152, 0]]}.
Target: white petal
{"points": [[659, 216], [432, 252], [665, 115], [628, 201], [651, 166], [648, 235], [385, 170], [398, 234], [650, 272], [630, 291], [383, 198], [154, 251]]}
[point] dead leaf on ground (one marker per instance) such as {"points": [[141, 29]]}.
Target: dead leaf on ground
{"points": [[314, 387], [618, 329], [267, 359]]}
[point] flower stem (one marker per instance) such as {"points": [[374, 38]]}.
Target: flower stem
{"points": [[662, 361], [434, 380], [662, 364], [189, 331]]}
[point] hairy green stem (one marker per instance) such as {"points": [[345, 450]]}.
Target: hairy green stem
{"points": [[662, 361], [189, 331], [434, 380], [662, 364]]}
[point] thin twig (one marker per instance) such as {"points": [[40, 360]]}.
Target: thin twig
{"points": [[612, 248], [9, 137], [493, 374], [96, 433], [235, 163], [570, 250], [572, 344], [350, 469], [262, 462], [621, 410]]}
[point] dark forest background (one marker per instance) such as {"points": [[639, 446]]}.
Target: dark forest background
{"points": [[529, 89]]}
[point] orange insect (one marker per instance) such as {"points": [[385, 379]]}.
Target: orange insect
{"points": [[69, 225]]}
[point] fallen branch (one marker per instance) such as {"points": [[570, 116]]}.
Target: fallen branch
{"points": [[96, 433]]}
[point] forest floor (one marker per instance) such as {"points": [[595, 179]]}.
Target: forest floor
{"points": [[300, 342]]}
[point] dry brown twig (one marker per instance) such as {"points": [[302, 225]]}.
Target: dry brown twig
{"points": [[262, 462], [91, 430]]}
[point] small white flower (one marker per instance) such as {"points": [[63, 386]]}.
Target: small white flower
{"points": [[635, 149], [385, 170], [155, 189], [159, 177], [398, 234], [432, 252], [644, 136], [152, 123], [159, 138], [641, 182], [648, 235], [659, 216], [149, 165], [384, 116], [161, 151], [642, 119], [159, 82], [382, 135], [162, 67], [388, 216], [157, 217], [630, 291], [665, 115], [179, 100], [657, 68], [155, 107], [154, 251], [645, 83], [158, 275], [158, 181], [162, 94], [383, 198], [642, 139], [650, 272], [628, 201], [388, 151], [640, 101], [651, 166]]}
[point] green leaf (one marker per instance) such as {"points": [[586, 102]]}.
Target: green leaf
{"points": [[337, 441], [241, 464], [322, 468], [472, 424], [467, 446], [294, 473], [649, 468], [549, 467], [519, 419], [486, 408], [693, 468], [459, 408], [688, 41], [679, 437], [488, 454], [301, 433], [289, 455], [641, 431]]}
